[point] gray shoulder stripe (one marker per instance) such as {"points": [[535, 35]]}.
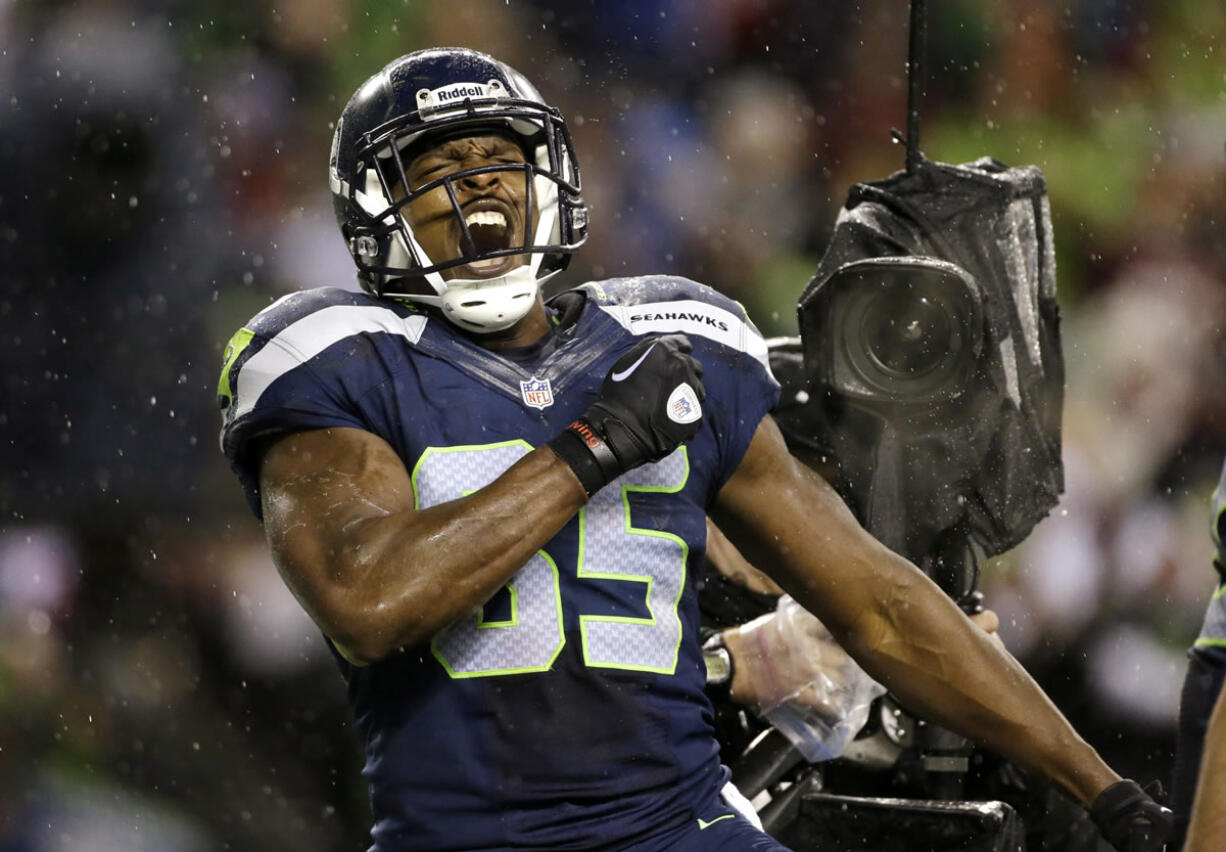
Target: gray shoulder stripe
{"points": [[303, 340], [690, 316]]}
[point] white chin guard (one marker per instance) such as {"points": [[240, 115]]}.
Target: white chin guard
{"points": [[485, 306]]}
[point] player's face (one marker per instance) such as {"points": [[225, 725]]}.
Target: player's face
{"points": [[493, 203]]}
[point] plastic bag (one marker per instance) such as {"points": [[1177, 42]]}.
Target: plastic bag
{"points": [[803, 682]]}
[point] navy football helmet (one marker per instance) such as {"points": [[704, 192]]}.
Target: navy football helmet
{"points": [[425, 98]]}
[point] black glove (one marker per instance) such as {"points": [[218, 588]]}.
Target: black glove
{"points": [[650, 403], [1130, 819]]}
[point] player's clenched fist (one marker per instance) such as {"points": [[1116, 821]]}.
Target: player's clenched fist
{"points": [[650, 403]]}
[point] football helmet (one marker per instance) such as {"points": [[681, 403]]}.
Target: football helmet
{"points": [[425, 98]]}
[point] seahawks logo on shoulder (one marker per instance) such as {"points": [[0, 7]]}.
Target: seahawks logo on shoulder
{"points": [[238, 343], [680, 316], [692, 317]]}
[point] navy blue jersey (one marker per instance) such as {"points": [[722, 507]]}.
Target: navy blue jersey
{"points": [[569, 712]]}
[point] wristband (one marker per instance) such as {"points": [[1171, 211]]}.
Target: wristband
{"points": [[719, 665], [587, 455]]}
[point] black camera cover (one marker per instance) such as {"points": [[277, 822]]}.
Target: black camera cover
{"points": [[932, 369]]}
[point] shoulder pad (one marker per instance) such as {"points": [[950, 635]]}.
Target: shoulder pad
{"points": [[291, 308], [646, 289], [295, 329]]}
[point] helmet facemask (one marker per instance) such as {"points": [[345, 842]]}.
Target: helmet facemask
{"points": [[390, 255]]}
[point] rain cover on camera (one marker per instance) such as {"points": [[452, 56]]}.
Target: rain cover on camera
{"points": [[974, 453]]}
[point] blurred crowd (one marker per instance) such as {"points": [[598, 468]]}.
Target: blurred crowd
{"points": [[162, 177]]}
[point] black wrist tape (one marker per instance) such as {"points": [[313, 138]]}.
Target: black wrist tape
{"points": [[587, 454]]}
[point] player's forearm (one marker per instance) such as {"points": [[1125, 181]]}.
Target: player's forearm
{"points": [[402, 577], [904, 631], [945, 669]]}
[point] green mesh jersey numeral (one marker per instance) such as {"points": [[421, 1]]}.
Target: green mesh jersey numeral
{"points": [[530, 638], [611, 547]]}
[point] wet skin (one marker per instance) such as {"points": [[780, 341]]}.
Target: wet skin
{"points": [[378, 574]]}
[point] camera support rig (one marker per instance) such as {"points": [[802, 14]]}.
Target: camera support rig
{"points": [[928, 382]]}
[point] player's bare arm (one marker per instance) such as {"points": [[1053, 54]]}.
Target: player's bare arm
{"points": [[376, 573], [1208, 821], [893, 619]]}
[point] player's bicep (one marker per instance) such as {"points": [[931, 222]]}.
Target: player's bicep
{"points": [[319, 489], [793, 526]]}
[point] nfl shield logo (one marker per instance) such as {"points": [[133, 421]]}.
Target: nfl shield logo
{"points": [[536, 392]]}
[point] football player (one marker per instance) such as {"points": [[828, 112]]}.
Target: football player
{"points": [[494, 506]]}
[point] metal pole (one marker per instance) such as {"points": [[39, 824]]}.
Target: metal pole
{"points": [[915, 79]]}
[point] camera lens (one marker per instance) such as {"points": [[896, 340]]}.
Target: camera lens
{"points": [[908, 333], [903, 330]]}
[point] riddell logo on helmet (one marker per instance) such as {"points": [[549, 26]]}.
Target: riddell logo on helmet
{"points": [[459, 91]]}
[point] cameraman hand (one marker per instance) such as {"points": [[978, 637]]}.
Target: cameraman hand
{"points": [[787, 654], [989, 622], [789, 669], [650, 403], [1130, 819]]}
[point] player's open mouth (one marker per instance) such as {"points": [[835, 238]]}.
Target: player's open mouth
{"points": [[491, 229]]}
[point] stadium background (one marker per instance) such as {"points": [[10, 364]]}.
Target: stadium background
{"points": [[162, 176]]}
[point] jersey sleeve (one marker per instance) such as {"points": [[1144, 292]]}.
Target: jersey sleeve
{"points": [[742, 390], [268, 388]]}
